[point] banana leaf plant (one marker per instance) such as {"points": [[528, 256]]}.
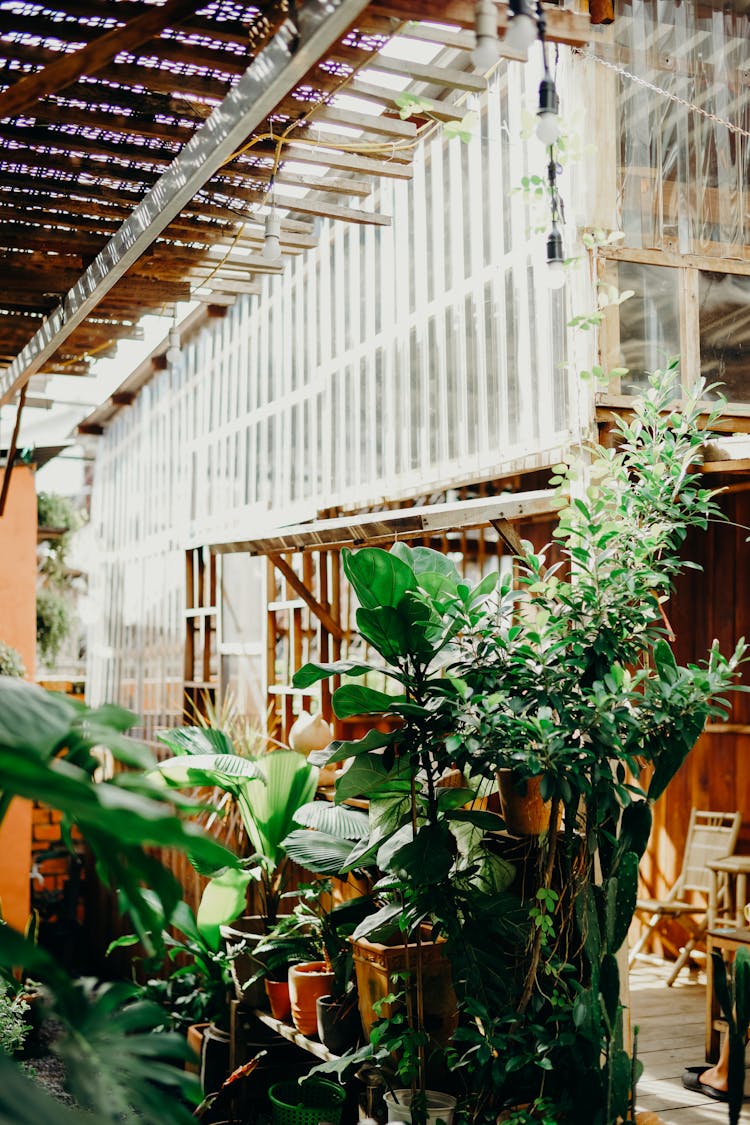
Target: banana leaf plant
{"points": [[117, 1068], [267, 790]]}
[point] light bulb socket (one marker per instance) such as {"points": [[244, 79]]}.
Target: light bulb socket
{"points": [[522, 29], [271, 242], [555, 249], [487, 49], [549, 101]]}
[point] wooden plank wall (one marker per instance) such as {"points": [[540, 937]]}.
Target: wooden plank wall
{"points": [[708, 604]]}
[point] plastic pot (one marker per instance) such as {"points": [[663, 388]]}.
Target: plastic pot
{"points": [[440, 1107]]}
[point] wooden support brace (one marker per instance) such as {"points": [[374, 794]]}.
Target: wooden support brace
{"points": [[299, 588]]}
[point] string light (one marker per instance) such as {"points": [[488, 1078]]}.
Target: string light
{"points": [[555, 247], [487, 49], [522, 29], [272, 240]]}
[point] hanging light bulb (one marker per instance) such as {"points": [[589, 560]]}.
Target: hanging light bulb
{"points": [[555, 258], [272, 240], [521, 31], [547, 119], [487, 49], [173, 348]]}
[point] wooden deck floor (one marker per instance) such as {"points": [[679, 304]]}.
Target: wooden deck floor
{"points": [[671, 1024]]}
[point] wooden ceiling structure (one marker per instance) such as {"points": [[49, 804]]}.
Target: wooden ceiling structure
{"points": [[139, 142]]}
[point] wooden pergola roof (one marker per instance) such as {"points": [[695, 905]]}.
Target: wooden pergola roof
{"points": [[138, 143]]}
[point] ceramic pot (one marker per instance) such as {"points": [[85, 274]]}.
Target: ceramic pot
{"points": [[375, 965], [306, 983], [277, 992], [248, 930], [214, 1058], [339, 1025], [440, 1107], [521, 804]]}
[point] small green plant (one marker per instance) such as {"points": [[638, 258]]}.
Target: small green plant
{"points": [[56, 511], [11, 663], [53, 622], [13, 1026]]}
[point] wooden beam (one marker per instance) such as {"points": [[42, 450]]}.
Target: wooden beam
{"points": [[302, 591], [442, 76], [269, 78], [91, 58], [440, 110], [11, 452]]}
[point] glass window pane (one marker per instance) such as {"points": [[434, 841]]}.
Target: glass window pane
{"points": [[724, 317], [649, 322]]}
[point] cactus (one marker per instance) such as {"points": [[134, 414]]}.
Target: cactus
{"points": [[624, 900], [635, 828]]}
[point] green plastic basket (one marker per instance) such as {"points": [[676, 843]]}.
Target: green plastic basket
{"points": [[306, 1104]]}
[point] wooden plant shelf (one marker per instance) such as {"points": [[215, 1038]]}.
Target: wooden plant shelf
{"points": [[286, 1031]]}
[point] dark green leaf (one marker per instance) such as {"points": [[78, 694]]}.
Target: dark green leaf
{"points": [[378, 577], [351, 699], [310, 674]]}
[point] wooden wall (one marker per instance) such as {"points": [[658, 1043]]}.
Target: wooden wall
{"points": [[708, 604]]}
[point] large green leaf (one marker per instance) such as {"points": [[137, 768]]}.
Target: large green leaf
{"points": [[337, 820], [320, 852], [268, 803], [367, 775], [386, 630], [352, 699], [373, 740], [222, 901], [197, 740], [378, 577], [221, 770], [310, 674], [428, 858], [31, 719]]}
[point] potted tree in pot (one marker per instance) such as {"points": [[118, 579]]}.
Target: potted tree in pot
{"points": [[428, 846]]}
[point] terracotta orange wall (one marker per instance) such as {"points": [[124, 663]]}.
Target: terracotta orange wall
{"points": [[18, 628]]}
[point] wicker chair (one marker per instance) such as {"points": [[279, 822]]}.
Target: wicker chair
{"points": [[711, 836]]}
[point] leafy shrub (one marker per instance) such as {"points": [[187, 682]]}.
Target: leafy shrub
{"points": [[54, 510], [11, 663], [13, 1025], [53, 621]]}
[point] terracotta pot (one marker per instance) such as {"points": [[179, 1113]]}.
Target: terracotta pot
{"points": [[306, 983], [277, 992], [195, 1035], [521, 804], [375, 965]]}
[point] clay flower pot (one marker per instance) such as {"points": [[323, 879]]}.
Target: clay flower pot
{"points": [[522, 807], [306, 983], [277, 992]]}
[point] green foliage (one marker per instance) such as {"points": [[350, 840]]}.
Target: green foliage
{"points": [[567, 677], [53, 622], [733, 992], [117, 1067], [268, 791], [13, 1026], [57, 511], [11, 663]]}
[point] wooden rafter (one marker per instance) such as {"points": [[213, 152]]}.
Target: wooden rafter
{"points": [[91, 58]]}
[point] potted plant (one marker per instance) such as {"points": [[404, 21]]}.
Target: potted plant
{"points": [[568, 679], [428, 846], [312, 942], [268, 791]]}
